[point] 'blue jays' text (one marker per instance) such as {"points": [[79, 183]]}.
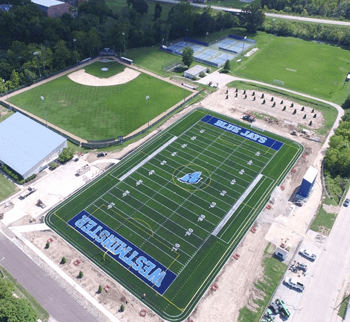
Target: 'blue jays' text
{"points": [[124, 252], [241, 131]]}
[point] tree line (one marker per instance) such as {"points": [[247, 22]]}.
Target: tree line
{"points": [[330, 8], [34, 45]]}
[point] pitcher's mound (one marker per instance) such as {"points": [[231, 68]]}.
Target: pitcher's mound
{"points": [[104, 69], [83, 78]]}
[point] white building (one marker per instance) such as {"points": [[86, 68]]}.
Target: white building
{"points": [[195, 71], [26, 146]]}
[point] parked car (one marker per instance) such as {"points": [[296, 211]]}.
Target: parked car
{"points": [[294, 284], [307, 255], [302, 267], [101, 154], [346, 202]]}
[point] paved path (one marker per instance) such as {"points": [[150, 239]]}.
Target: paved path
{"points": [[50, 295]]}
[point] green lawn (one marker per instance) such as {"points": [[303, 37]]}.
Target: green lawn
{"points": [[308, 67], [343, 307], [323, 222], [7, 188], [273, 272], [21, 292], [230, 3], [113, 69], [96, 113]]}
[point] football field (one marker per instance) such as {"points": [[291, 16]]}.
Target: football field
{"points": [[165, 220]]}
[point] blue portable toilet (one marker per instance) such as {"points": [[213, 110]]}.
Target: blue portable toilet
{"points": [[307, 183]]}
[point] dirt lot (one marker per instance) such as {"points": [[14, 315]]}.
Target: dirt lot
{"points": [[284, 222]]}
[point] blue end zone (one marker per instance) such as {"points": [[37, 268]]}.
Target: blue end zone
{"points": [[241, 131], [124, 252]]}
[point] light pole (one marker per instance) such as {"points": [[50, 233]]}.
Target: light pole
{"points": [[36, 53], [243, 44], [147, 99], [43, 98], [75, 49], [123, 33]]}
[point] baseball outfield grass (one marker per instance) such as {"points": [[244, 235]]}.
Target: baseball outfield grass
{"points": [[96, 113]]}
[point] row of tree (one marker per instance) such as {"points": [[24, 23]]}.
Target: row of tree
{"points": [[328, 33], [37, 45], [13, 308], [330, 8]]}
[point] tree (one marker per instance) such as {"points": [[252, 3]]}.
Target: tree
{"points": [[139, 6], [14, 78], [227, 65], [100, 288], [187, 56], [252, 17], [157, 11], [62, 54], [63, 260], [65, 155], [346, 104], [81, 274]]}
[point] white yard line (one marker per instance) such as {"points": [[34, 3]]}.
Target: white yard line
{"points": [[236, 205], [148, 158]]}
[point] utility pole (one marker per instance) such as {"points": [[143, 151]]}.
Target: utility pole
{"points": [[147, 99], [43, 98], [36, 53]]}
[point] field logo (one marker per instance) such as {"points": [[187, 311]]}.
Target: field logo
{"points": [[134, 259], [242, 132], [191, 178]]}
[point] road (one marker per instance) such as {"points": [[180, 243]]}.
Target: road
{"points": [[321, 295], [52, 297], [271, 15]]}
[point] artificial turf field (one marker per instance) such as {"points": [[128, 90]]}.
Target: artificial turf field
{"points": [[164, 220], [97, 113], [306, 66]]}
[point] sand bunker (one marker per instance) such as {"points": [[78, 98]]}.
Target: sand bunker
{"points": [[83, 78]]}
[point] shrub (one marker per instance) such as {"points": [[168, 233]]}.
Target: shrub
{"points": [[122, 308], [272, 99], [264, 102], [284, 108], [236, 95], [47, 245], [227, 65], [81, 274], [63, 260], [100, 288], [282, 102], [274, 104], [15, 176], [346, 104], [226, 96], [65, 155], [262, 95], [53, 165], [295, 111], [315, 116], [202, 74], [292, 105], [312, 110], [253, 94], [245, 96], [244, 92], [302, 108], [304, 117], [254, 98], [236, 90], [310, 123]]}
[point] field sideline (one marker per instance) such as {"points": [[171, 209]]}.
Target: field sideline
{"points": [[183, 202]]}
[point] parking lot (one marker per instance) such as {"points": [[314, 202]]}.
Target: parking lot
{"points": [[291, 297]]}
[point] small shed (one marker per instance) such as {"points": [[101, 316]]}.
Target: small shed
{"points": [[307, 183], [281, 253], [195, 71]]}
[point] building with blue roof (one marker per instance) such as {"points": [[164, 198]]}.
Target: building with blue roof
{"points": [[26, 146]]}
